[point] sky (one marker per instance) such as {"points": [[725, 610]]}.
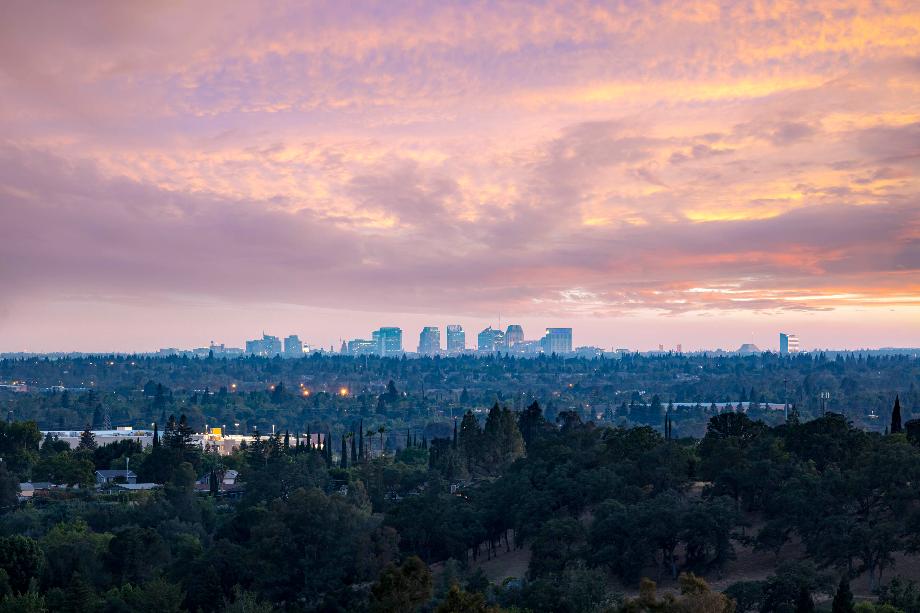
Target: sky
{"points": [[645, 172]]}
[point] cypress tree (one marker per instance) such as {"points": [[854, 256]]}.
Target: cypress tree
{"points": [[343, 462], [212, 482], [896, 416], [287, 440], [843, 599], [156, 436], [354, 451], [361, 440], [804, 603], [455, 433]]}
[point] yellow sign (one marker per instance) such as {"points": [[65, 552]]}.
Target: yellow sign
{"points": [[215, 431]]}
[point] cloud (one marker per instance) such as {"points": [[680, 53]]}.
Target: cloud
{"points": [[565, 158]]}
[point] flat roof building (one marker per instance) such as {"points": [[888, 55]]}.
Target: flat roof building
{"points": [[456, 339], [429, 341]]}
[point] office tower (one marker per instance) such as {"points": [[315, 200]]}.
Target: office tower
{"points": [[456, 339], [389, 341], [267, 346], [429, 341], [490, 339], [557, 340], [514, 336], [293, 347], [361, 346], [788, 343]]}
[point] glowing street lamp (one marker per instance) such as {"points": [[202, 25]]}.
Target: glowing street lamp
{"points": [[343, 392]]}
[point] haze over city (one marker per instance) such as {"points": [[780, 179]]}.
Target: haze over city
{"points": [[678, 172]]}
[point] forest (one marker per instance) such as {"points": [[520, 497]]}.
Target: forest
{"points": [[430, 474]]}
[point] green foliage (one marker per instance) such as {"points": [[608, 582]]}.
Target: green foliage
{"points": [[402, 588], [22, 559], [843, 598]]}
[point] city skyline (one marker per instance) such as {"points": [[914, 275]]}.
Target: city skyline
{"points": [[171, 174]]}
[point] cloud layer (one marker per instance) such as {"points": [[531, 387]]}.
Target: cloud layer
{"points": [[558, 160]]}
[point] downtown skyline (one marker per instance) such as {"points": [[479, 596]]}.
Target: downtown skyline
{"points": [[671, 173]]}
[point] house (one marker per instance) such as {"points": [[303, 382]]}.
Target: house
{"points": [[134, 487], [108, 477], [226, 479], [29, 490]]}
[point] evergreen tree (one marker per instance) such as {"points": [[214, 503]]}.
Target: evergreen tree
{"points": [[156, 436], [287, 441], [531, 422], [78, 597], [213, 483], [843, 599], [354, 450], [896, 416], [804, 603], [361, 455], [185, 435], [87, 440], [343, 461]]}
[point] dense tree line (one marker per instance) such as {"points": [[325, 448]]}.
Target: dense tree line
{"points": [[358, 521]]}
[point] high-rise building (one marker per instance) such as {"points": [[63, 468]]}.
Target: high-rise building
{"points": [[788, 343], [389, 341], [557, 340], [267, 346], [514, 336], [490, 340], [293, 347], [456, 339], [361, 346], [429, 341]]}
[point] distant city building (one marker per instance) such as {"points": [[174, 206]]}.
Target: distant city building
{"points": [[748, 349], [222, 351], [429, 341], [680, 348], [389, 341], [490, 340], [293, 347], [529, 347], [557, 340], [267, 346], [589, 352], [788, 343], [456, 339], [514, 336], [361, 346]]}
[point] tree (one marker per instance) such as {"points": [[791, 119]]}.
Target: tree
{"points": [[460, 601], [156, 436], [896, 416], [843, 599], [78, 596], [343, 461], [21, 558], [87, 440], [402, 588], [804, 603]]}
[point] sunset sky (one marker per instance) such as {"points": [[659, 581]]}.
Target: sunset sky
{"points": [[645, 172]]}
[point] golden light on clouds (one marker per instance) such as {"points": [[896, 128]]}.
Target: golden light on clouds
{"points": [[560, 159]]}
